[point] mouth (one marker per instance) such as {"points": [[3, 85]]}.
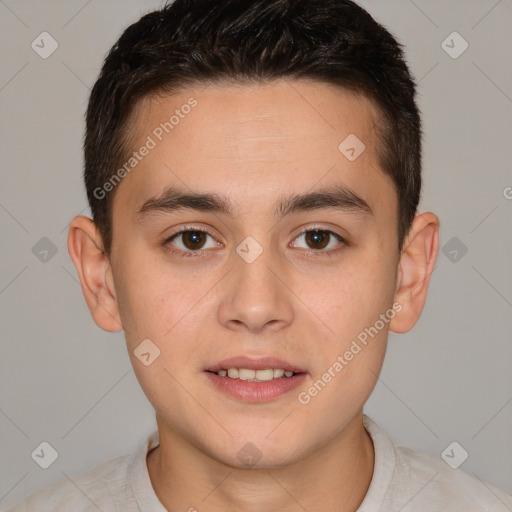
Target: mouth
{"points": [[255, 380], [249, 375]]}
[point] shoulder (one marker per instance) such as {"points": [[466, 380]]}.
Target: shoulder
{"points": [[413, 481], [429, 480], [88, 491]]}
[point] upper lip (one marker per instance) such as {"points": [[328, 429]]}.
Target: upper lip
{"points": [[256, 363]]}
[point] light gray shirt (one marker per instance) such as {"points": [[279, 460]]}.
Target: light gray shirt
{"points": [[403, 480]]}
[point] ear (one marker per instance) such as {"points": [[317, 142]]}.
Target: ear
{"points": [[416, 265], [85, 247]]}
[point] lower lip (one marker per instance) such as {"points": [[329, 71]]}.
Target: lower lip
{"points": [[256, 391]]}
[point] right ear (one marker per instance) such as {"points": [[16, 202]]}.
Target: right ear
{"points": [[85, 247]]}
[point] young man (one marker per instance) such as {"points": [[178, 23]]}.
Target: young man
{"points": [[254, 169]]}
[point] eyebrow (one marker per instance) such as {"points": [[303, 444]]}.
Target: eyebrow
{"points": [[336, 197]]}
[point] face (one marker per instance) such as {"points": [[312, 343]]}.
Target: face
{"points": [[256, 275]]}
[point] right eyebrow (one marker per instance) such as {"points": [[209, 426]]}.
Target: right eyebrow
{"points": [[174, 199]]}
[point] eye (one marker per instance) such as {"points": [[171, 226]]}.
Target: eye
{"points": [[191, 240], [319, 239]]}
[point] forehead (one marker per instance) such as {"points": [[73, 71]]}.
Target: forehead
{"points": [[256, 139]]}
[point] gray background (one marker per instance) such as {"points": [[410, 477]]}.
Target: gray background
{"points": [[65, 381]]}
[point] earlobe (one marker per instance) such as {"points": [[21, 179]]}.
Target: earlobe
{"points": [[94, 271], [416, 265]]}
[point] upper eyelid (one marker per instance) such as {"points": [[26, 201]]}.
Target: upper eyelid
{"points": [[186, 230]]}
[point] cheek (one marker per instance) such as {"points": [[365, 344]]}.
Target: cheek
{"points": [[357, 307], [145, 300], [353, 296], [157, 302], [154, 310], [348, 373]]}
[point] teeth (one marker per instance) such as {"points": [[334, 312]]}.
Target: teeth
{"points": [[233, 373], [255, 375], [278, 373], [264, 375], [244, 374]]}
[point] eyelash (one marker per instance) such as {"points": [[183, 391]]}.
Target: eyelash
{"points": [[201, 252]]}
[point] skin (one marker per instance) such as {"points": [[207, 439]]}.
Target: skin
{"points": [[254, 143]]}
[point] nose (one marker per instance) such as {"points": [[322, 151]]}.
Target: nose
{"points": [[256, 295]]}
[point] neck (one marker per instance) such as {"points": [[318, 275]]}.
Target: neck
{"points": [[334, 477]]}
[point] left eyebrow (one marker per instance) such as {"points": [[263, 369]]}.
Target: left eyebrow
{"points": [[334, 197], [337, 197]]}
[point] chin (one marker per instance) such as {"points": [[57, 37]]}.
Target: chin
{"points": [[259, 453]]}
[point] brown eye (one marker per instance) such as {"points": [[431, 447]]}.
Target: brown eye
{"points": [[317, 239], [192, 240]]}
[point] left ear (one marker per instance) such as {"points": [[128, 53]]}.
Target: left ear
{"points": [[416, 265]]}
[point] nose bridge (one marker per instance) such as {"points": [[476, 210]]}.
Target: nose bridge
{"points": [[252, 266], [255, 295]]}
